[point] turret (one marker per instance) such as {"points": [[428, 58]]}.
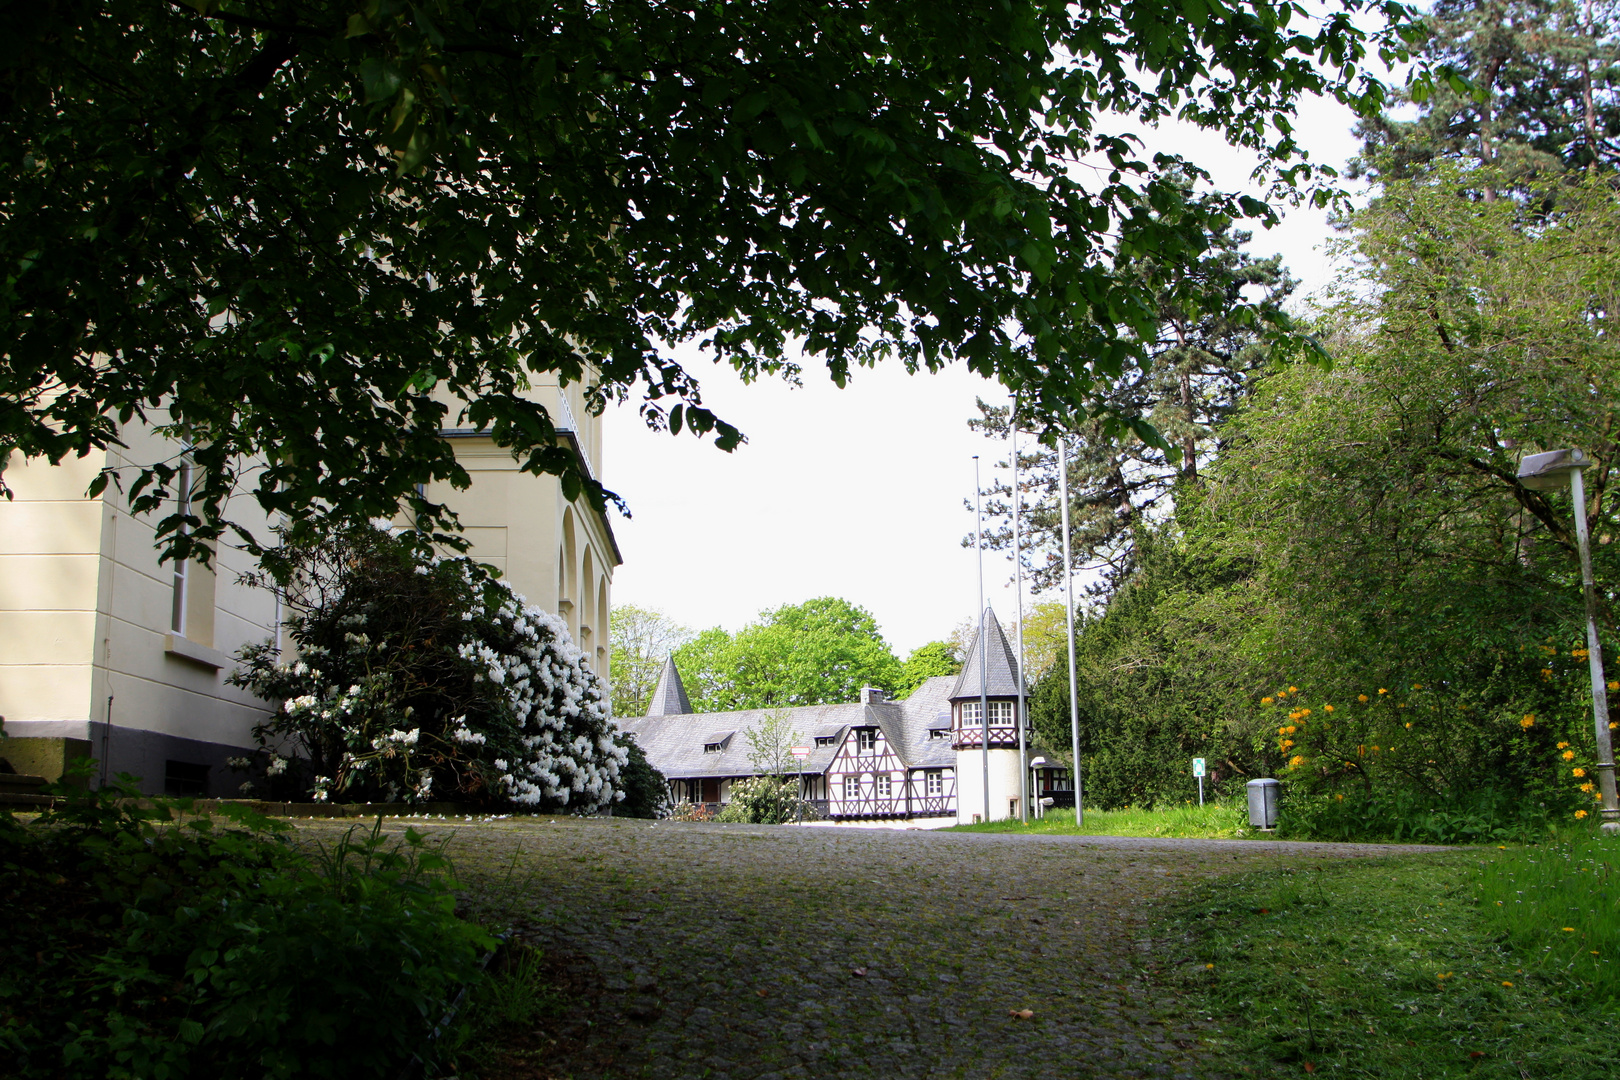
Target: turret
{"points": [[989, 676]]}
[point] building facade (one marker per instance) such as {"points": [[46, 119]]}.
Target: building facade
{"points": [[872, 761], [107, 653]]}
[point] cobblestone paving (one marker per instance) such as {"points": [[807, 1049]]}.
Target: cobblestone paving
{"points": [[733, 952]]}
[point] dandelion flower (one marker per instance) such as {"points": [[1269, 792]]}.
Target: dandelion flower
{"points": [[1409, 725], [1293, 689], [1382, 691], [1339, 797], [1505, 982], [1529, 721], [1327, 708], [1304, 713], [1296, 761], [1587, 787], [1614, 686], [1569, 755], [1417, 686], [1282, 731], [1209, 967], [1569, 929], [1265, 701], [1578, 771], [1563, 745], [1443, 975]]}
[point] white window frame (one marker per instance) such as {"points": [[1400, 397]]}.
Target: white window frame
{"points": [[934, 782], [885, 786]]}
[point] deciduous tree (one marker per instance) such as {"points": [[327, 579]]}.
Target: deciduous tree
{"points": [[306, 236], [820, 652]]}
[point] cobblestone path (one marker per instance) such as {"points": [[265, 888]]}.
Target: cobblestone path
{"points": [[733, 952]]}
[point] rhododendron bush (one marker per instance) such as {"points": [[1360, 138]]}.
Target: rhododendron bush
{"points": [[415, 677]]}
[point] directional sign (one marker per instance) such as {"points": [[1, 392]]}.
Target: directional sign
{"points": [[1198, 766], [799, 751]]}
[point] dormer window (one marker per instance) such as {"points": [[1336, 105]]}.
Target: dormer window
{"points": [[866, 739], [939, 733], [716, 743], [713, 747], [826, 740]]}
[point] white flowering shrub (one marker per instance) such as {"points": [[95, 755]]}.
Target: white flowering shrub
{"points": [[424, 678]]}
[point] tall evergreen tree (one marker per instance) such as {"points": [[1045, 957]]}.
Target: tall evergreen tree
{"points": [[1544, 100], [1196, 371]]}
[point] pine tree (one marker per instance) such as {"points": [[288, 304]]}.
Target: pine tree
{"points": [[1201, 364], [1544, 100]]}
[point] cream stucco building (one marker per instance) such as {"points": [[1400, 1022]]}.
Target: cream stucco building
{"points": [[106, 652]]}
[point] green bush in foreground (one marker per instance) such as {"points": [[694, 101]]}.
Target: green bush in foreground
{"points": [[144, 946]]}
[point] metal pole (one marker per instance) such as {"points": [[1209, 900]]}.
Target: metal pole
{"points": [[984, 710], [1068, 612], [1594, 662], [1018, 574]]}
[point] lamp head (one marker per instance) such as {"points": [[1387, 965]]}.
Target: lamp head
{"points": [[1550, 471], [1037, 762]]}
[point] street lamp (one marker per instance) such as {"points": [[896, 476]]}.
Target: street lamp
{"points": [[1546, 472], [1036, 764]]}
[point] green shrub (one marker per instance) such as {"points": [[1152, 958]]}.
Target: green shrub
{"points": [[424, 678], [144, 945], [762, 800]]}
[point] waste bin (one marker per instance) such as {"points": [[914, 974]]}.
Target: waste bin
{"points": [[1263, 803]]}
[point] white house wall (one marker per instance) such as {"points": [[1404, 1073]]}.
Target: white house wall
{"points": [[85, 616]]}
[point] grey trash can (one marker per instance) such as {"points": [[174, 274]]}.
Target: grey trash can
{"points": [[1263, 803]]}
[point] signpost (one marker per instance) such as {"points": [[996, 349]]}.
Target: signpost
{"points": [[1198, 771], [800, 752]]}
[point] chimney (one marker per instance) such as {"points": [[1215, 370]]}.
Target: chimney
{"points": [[871, 695]]}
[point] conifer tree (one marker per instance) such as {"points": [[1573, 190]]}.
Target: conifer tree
{"points": [[1544, 99], [1196, 371]]}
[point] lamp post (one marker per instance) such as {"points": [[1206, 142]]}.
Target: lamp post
{"points": [[1546, 472]]}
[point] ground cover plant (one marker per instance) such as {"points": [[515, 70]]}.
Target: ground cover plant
{"points": [[1224, 820], [1401, 968], [1558, 904], [146, 944]]}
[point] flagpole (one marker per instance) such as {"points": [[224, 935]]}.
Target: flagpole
{"points": [[1018, 575], [984, 711], [1068, 612]]}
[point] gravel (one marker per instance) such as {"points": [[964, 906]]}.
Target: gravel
{"points": [[764, 952]]}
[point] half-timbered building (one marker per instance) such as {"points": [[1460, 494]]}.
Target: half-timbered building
{"points": [[874, 760]]}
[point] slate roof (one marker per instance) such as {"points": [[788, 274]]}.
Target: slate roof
{"points": [[669, 696], [674, 742], [1001, 668]]}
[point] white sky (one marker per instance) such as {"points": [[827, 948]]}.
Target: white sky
{"points": [[859, 492]]}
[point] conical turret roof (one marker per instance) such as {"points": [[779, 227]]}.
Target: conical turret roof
{"points": [[669, 696], [996, 658]]}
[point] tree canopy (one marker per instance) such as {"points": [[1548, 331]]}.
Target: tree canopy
{"points": [[820, 652], [1362, 598], [306, 236]]}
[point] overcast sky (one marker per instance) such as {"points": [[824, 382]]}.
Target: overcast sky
{"points": [[858, 492]]}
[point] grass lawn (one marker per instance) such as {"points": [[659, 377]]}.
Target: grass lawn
{"points": [[1212, 821], [1408, 968]]}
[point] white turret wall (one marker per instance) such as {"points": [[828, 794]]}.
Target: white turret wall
{"points": [[1004, 769]]}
